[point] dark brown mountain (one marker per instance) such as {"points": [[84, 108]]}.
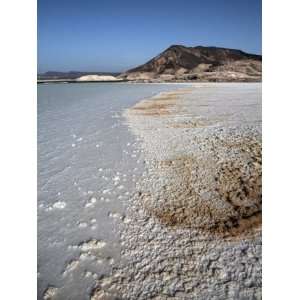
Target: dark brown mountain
{"points": [[199, 63]]}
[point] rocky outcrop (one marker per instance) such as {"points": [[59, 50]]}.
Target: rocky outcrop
{"points": [[200, 64]]}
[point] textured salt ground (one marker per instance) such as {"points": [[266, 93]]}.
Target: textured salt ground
{"points": [[194, 225]]}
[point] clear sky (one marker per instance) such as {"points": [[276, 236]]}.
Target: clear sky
{"points": [[107, 35]]}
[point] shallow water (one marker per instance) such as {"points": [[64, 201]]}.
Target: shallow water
{"points": [[88, 163]]}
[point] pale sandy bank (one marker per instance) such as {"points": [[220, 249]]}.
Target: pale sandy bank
{"points": [[97, 78]]}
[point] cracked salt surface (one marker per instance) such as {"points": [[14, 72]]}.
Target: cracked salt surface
{"points": [[195, 228], [88, 163]]}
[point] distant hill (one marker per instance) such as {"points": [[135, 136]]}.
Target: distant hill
{"points": [[71, 74], [199, 63]]}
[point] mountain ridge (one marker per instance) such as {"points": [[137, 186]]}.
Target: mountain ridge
{"points": [[179, 62], [71, 74]]}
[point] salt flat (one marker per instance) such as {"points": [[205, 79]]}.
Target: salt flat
{"points": [[194, 222], [157, 198]]}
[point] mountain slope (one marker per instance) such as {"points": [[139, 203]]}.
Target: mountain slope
{"points": [[199, 63]]}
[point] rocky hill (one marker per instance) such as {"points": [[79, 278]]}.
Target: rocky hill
{"points": [[200, 64]]}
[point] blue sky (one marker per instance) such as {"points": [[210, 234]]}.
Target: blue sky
{"points": [[99, 35]]}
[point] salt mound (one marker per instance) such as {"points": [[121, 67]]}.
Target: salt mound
{"points": [[59, 204], [97, 78]]}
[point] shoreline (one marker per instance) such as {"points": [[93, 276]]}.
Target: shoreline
{"points": [[195, 221], [47, 81], [186, 82]]}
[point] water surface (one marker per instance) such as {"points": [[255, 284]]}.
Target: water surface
{"points": [[88, 162]]}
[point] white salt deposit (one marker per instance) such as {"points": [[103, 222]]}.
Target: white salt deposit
{"points": [[92, 245], [97, 78], [50, 293], [70, 267], [59, 204], [82, 225], [115, 215]]}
